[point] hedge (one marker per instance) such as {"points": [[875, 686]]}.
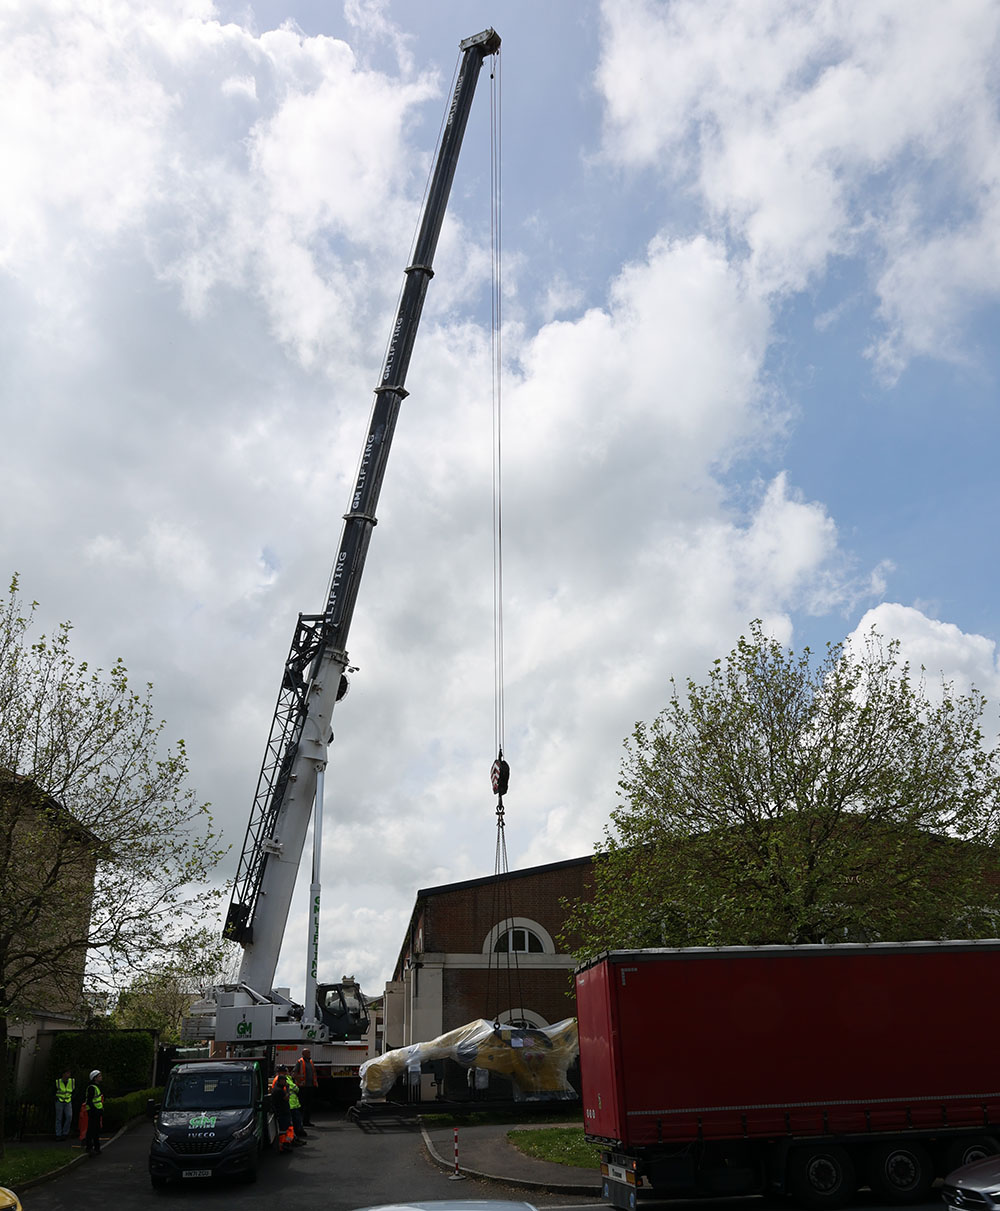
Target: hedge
{"points": [[125, 1058], [121, 1110]]}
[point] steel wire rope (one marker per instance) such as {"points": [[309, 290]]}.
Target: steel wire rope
{"points": [[503, 945], [496, 320]]}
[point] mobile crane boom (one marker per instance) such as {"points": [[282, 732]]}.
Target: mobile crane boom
{"points": [[314, 679]]}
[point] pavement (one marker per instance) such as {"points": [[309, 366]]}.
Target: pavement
{"points": [[481, 1151]]}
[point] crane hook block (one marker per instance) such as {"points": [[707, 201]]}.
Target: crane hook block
{"points": [[500, 775]]}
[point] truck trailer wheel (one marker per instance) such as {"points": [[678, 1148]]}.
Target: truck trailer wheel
{"points": [[901, 1173], [822, 1175], [964, 1152]]}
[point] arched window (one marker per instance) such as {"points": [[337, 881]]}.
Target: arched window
{"points": [[520, 940], [522, 1018], [519, 935]]}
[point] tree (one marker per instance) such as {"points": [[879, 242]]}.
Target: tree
{"points": [[790, 800], [104, 849], [160, 999]]}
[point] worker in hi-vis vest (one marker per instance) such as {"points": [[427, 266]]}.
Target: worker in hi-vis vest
{"points": [[294, 1104], [279, 1100], [308, 1083], [95, 1111], [64, 1104]]}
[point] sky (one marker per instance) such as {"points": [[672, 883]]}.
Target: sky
{"points": [[751, 291]]}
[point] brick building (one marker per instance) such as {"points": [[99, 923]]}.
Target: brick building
{"points": [[43, 958], [486, 948]]}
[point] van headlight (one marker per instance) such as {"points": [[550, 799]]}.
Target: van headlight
{"points": [[243, 1133], [159, 1136]]}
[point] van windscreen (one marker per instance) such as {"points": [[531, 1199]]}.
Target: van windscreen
{"points": [[208, 1091]]}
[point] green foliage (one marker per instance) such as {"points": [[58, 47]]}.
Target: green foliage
{"points": [[118, 1111], [788, 800], [561, 1145], [160, 999], [105, 852], [125, 1058]]}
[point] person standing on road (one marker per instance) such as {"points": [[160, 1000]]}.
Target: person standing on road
{"points": [[294, 1105], [305, 1078], [95, 1110], [279, 1100], [64, 1104]]}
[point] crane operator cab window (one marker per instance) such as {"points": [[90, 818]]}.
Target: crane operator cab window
{"points": [[344, 1010]]}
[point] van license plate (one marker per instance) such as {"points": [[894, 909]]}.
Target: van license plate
{"points": [[196, 1173]]}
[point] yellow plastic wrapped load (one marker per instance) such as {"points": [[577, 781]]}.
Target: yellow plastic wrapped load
{"points": [[535, 1059]]}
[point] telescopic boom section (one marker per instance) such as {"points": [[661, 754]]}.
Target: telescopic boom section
{"points": [[313, 677]]}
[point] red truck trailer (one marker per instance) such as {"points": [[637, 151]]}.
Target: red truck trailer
{"points": [[807, 1070]]}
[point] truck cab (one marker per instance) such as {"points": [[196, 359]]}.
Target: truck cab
{"points": [[215, 1120]]}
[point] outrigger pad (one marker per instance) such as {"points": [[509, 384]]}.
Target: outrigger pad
{"points": [[535, 1059]]}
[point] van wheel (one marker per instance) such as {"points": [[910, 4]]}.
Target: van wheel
{"points": [[158, 1183], [901, 1173], [964, 1152], [250, 1174], [822, 1175]]}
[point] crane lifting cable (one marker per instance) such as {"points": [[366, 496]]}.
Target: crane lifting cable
{"points": [[503, 990]]}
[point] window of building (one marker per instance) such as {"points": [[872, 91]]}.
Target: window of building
{"points": [[519, 935], [519, 939], [523, 1019]]}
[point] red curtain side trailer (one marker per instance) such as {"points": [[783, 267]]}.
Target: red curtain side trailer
{"points": [[801, 1069]]}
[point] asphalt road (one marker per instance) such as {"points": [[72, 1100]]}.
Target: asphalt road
{"points": [[343, 1166]]}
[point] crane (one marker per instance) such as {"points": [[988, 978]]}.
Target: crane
{"points": [[314, 678]]}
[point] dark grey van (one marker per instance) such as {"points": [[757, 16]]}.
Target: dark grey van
{"points": [[215, 1121]]}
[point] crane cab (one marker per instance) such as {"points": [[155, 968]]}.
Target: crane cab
{"points": [[343, 1009]]}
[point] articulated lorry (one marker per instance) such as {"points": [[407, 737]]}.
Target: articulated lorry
{"points": [[801, 1070]]}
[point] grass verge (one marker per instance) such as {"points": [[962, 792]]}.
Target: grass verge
{"points": [[563, 1145], [20, 1164]]}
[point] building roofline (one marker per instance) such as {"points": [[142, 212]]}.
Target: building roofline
{"points": [[506, 876], [424, 892]]}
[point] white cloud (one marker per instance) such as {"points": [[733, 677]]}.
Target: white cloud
{"points": [[819, 131], [941, 649], [208, 226]]}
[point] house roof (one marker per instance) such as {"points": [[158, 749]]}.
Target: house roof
{"points": [[60, 815]]}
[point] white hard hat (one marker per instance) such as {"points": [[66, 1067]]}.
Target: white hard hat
{"points": [[95, 1074]]}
